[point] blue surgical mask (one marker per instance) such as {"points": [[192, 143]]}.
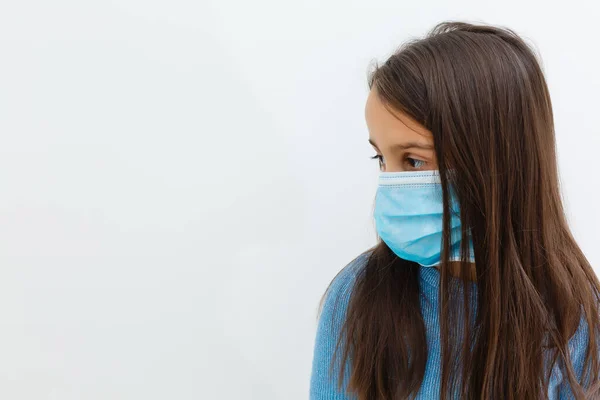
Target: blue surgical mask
{"points": [[408, 217]]}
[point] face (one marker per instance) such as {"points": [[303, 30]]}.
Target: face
{"points": [[400, 142]]}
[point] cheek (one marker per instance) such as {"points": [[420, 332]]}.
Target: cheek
{"points": [[393, 165]]}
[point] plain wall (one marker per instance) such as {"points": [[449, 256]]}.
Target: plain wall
{"points": [[180, 180]]}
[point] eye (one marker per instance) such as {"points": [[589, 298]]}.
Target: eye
{"points": [[414, 163], [381, 161]]}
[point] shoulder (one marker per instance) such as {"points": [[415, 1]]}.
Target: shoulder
{"points": [[341, 285], [334, 302], [332, 315], [348, 274]]}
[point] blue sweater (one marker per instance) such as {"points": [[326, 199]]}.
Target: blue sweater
{"points": [[323, 386]]}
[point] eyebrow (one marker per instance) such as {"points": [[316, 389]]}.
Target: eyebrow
{"points": [[404, 146]]}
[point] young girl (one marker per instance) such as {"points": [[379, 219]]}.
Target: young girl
{"points": [[477, 288]]}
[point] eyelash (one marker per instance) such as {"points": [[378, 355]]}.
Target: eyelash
{"points": [[377, 157], [416, 161]]}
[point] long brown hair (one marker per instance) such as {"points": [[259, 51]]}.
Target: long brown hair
{"points": [[481, 91]]}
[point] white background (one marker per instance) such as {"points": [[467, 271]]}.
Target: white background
{"points": [[180, 180]]}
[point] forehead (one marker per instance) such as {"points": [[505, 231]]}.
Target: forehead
{"points": [[388, 124]]}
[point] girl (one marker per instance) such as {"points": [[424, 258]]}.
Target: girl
{"points": [[477, 288]]}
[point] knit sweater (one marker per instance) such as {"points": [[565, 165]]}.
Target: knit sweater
{"points": [[324, 386]]}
